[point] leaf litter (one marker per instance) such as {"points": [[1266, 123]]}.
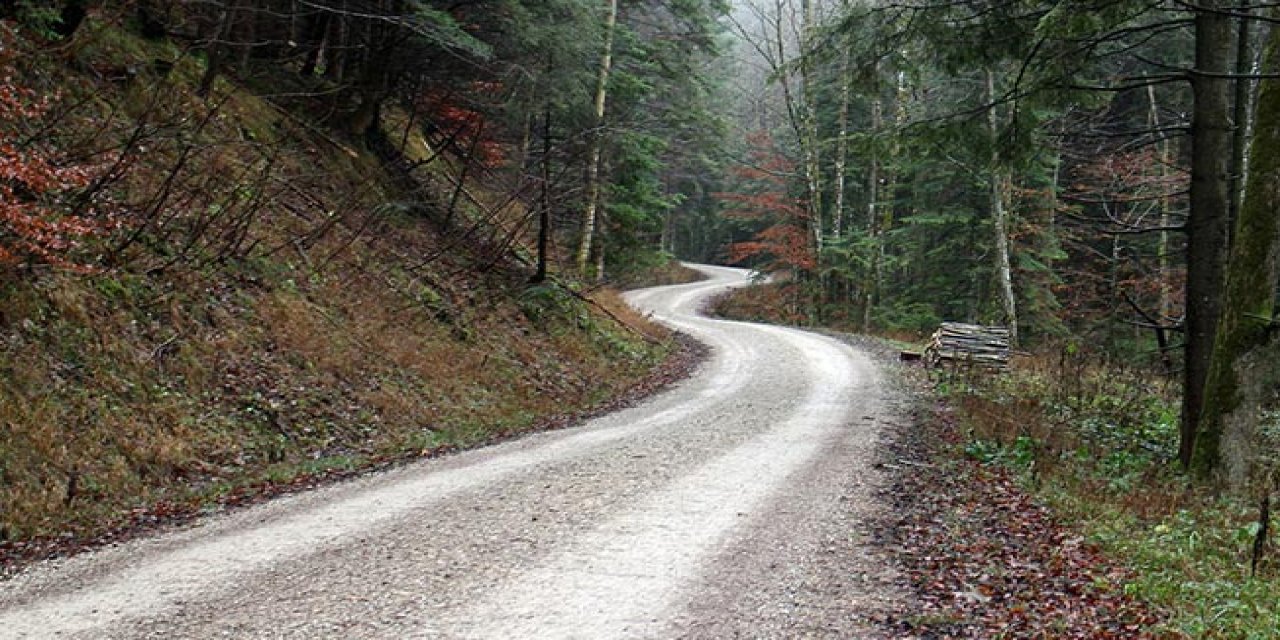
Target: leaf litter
{"points": [[984, 558]]}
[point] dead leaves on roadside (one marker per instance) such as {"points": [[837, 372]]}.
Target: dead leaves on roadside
{"points": [[986, 561]]}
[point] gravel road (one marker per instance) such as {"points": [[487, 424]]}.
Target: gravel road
{"points": [[734, 505]]}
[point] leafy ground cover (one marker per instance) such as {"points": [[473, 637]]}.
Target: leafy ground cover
{"points": [[985, 558], [1098, 442], [1055, 510]]}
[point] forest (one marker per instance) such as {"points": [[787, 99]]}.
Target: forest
{"points": [[1097, 178], [1096, 175], [1076, 172]]}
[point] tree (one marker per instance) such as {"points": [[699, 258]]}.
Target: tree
{"points": [[1207, 220], [1041, 56], [764, 198], [781, 35], [590, 212], [1001, 192], [1236, 392], [660, 120]]}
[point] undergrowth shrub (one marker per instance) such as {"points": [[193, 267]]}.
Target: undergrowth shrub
{"points": [[776, 303], [49, 203], [552, 307], [1099, 442]]}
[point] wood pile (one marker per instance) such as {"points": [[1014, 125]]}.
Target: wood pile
{"points": [[957, 343]]}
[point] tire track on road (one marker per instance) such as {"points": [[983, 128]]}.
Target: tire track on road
{"points": [[599, 531]]}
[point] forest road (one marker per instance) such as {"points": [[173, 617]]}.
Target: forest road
{"points": [[733, 505]]}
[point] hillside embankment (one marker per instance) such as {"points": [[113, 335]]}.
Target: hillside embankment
{"points": [[259, 302]]}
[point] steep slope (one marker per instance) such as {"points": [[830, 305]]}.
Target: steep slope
{"points": [[257, 301]]}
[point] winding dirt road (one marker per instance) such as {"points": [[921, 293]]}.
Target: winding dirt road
{"points": [[734, 505]]}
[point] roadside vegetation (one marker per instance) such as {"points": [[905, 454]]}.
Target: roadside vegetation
{"points": [[208, 296], [1060, 476], [1096, 441]]}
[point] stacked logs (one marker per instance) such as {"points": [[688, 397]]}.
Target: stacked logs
{"points": [[957, 343]]}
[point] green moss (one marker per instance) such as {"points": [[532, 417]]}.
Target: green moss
{"points": [[1249, 300]]}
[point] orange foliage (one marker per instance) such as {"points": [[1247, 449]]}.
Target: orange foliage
{"points": [[466, 126], [38, 220], [765, 198], [1122, 192]]}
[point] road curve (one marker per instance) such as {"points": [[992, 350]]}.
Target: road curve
{"points": [[734, 505]]}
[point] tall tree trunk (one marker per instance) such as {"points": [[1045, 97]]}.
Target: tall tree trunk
{"points": [[526, 139], [1230, 410], [544, 200], [247, 35], [885, 191], [888, 209], [842, 146], [1164, 157], [371, 88], [1207, 219], [666, 243], [315, 33], [1164, 270], [217, 49], [339, 50], [1001, 195], [589, 214], [812, 154], [1241, 111], [600, 250], [837, 286], [869, 284]]}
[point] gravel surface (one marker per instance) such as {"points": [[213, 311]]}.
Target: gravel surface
{"points": [[738, 504]]}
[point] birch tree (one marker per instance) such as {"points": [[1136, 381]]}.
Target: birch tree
{"points": [[591, 211], [1001, 193]]}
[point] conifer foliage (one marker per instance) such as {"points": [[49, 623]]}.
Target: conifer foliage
{"points": [[1074, 171]]}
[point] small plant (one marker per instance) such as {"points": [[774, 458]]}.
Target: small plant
{"points": [[551, 306]]}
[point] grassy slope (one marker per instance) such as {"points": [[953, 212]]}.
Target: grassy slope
{"points": [[322, 340]]}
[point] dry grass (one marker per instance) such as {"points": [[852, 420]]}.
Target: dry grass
{"points": [[326, 341], [637, 323], [130, 397], [776, 303]]}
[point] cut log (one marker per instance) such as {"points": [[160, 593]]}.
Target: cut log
{"points": [[958, 343]]}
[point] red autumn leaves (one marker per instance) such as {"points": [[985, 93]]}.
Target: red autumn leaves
{"points": [[45, 209], [765, 200]]}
